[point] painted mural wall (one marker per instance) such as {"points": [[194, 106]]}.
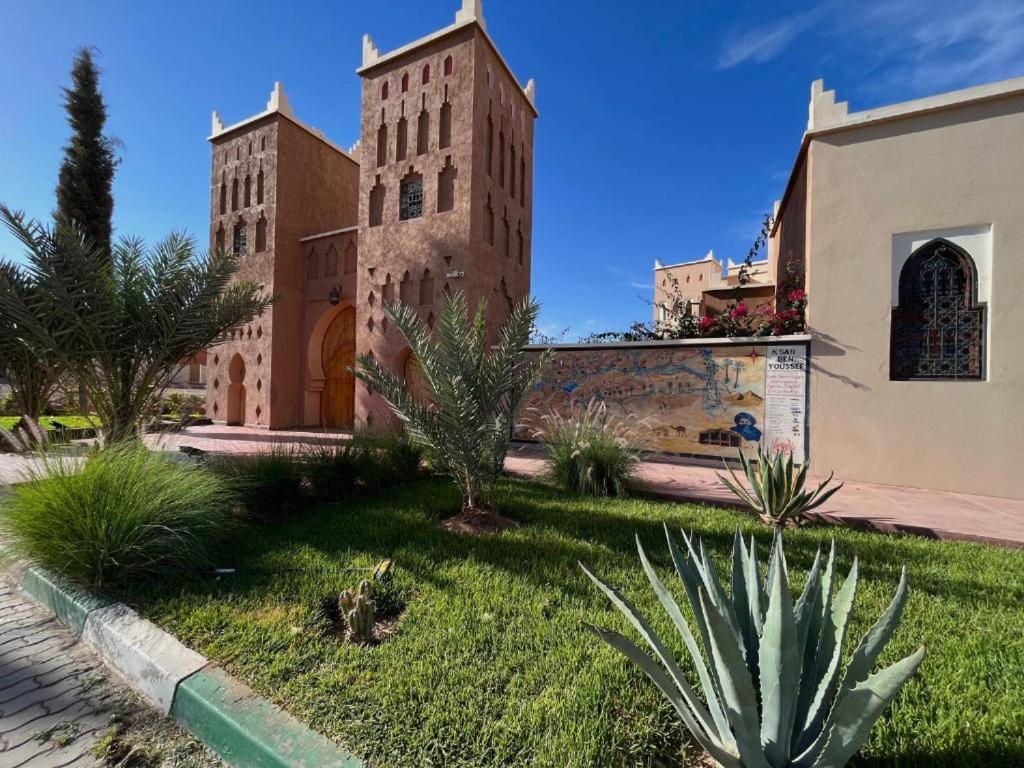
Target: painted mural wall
{"points": [[699, 399]]}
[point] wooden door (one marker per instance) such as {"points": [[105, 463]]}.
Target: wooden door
{"points": [[338, 400]]}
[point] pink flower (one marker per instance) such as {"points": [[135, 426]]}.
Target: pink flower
{"points": [[797, 294], [739, 311], [705, 323]]}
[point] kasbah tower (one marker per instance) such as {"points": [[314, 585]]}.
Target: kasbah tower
{"points": [[435, 197]]}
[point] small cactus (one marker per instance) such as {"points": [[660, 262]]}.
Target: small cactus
{"points": [[358, 612]]}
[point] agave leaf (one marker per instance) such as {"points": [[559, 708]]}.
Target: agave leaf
{"points": [[716, 592], [738, 694], [829, 654], [779, 665], [875, 639], [808, 604], [721, 723], [816, 627], [749, 626], [664, 683], [857, 713], [654, 641]]}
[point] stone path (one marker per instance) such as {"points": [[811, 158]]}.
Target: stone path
{"points": [[54, 694], [894, 509]]}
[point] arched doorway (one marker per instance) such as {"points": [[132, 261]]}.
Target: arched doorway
{"points": [[338, 354], [236, 391]]}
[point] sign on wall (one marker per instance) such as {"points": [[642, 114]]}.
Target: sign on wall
{"points": [[785, 388], [704, 400]]}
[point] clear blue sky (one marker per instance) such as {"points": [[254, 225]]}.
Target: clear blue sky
{"points": [[666, 128]]}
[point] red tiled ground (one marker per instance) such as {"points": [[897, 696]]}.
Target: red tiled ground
{"points": [[935, 514]]}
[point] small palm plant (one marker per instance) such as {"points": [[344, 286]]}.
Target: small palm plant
{"points": [[774, 694], [475, 390], [776, 493]]}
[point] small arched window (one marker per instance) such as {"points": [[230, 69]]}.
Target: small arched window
{"points": [[384, 91], [426, 74], [448, 66], [405, 82], [938, 327]]}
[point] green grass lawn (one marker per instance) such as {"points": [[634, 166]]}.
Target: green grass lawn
{"points": [[490, 666], [46, 422]]}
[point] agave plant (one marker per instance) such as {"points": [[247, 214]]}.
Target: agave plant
{"points": [[773, 692], [777, 494]]}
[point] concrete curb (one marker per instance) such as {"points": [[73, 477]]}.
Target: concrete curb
{"points": [[245, 730]]}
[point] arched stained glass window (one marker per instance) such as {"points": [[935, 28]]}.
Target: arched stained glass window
{"points": [[938, 328]]}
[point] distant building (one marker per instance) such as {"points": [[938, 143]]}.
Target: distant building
{"points": [[706, 286], [905, 224], [436, 196]]}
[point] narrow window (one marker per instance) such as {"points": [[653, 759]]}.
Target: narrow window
{"points": [[350, 259], [512, 172], [449, 66], [490, 145], [423, 133], [410, 204], [223, 198], [261, 234], [263, 143], [234, 194], [508, 235], [387, 291], [489, 222], [248, 190], [405, 82], [444, 131], [446, 186], [377, 204], [384, 91], [405, 290], [522, 242], [501, 158], [401, 139], [426, 74], [522, 179], [938, 328], [382, 145], [331, 261], [259, 187], [238, 241], [426, 288], [250, 149], [312, 264]]}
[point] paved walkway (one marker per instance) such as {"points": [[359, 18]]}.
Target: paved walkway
{"points": [[54, 695], [935, 514]]}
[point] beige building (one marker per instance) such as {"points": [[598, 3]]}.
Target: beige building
{"points": [[908, 223], [706, 286], [436, 196]]}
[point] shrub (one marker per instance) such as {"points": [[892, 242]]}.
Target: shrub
{"points": [[365, 462], [173, 403], [128, 513], [777, 494], [590, 452], [269, 483], [770, 672]]}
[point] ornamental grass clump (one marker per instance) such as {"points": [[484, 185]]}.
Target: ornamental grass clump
{"points": [[776, 494], [589, 451], [269, 483], [127, 514], [774, 693]]}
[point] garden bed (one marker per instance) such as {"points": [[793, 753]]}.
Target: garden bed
{"points": [[490, 666]]}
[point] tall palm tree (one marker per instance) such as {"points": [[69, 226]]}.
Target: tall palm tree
{"points": [[475, 389], [121, 327]]}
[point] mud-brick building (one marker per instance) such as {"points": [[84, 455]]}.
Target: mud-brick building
{"points": [[436, 196]]}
